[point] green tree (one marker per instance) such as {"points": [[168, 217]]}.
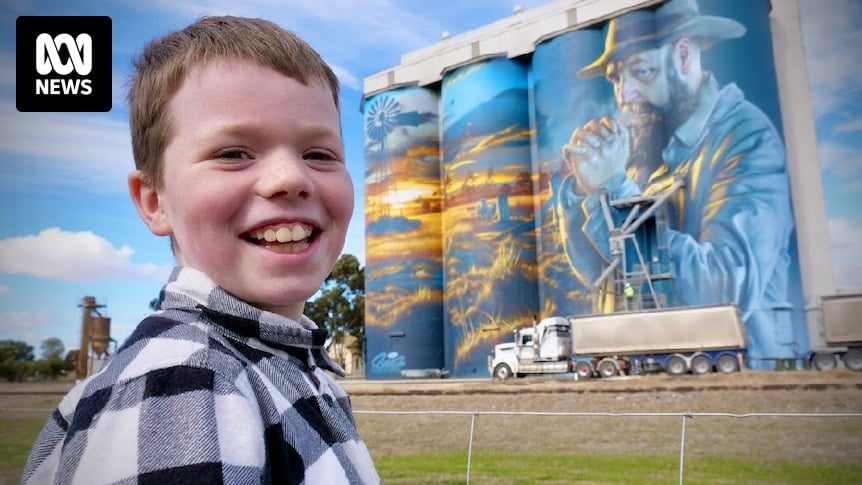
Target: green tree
{"points": [[48, 368], [52, 348], [15, 350], [52, 363], [71, 361], [340, 304], [16, 360]]}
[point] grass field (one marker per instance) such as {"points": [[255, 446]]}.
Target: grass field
{"points": [[579, 468], [514, 448]]}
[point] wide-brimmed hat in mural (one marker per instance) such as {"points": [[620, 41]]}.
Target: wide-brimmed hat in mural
{"points": [[647, 29]]}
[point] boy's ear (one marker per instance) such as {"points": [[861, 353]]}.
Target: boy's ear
{"points": [[149, 205]]}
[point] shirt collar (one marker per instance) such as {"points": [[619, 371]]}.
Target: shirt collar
{"points": [[191, 290]]}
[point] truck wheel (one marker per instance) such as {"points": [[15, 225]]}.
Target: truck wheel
{"points": [[675, 366], [502, 372], [607, 368], [701, 365], [727, 364], [853, 360], [584, 370], [824, 361]]}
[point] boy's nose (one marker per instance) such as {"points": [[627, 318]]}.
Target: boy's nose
{"points": [[284, 176]]}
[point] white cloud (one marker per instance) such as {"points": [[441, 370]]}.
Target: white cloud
{"points": [[7, 70], [33, 327], [4, 290], [853, 188], [24, 320], [845, 162], [72, 256], [358, 39], [851, 126], [830, 28], [346, 78], [82, 149], [364, 23], [846, 254]]}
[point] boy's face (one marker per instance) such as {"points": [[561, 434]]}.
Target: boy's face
{"points": [[256, 191]]}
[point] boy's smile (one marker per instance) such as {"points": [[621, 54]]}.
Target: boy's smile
{"points": [[283, 237], [256, 192]]}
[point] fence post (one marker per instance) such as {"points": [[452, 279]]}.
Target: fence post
{"points": [[685, 415], [470, 446]]}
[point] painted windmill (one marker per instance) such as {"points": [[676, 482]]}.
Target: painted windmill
{"points": [[381, 120]]}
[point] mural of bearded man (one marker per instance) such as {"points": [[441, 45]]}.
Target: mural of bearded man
{"points": [[731, 224]]}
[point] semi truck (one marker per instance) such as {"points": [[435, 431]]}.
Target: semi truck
{"points": [[841, 333], [678, 340], [645, 332]]}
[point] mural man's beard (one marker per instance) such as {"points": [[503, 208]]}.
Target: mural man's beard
{"points": [[648, 138], [682, 102], [651, 127]]}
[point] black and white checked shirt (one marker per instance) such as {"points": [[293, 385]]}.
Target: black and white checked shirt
{"points": [[207, 390]]}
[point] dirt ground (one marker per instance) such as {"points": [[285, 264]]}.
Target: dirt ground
{"points": [[789, 415], [747, 380], [785, 415]]}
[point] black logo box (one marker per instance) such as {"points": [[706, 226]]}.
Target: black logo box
{"points": [[27, 29]]}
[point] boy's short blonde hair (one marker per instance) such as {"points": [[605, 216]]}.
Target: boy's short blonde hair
{"points": [[164, 63]]}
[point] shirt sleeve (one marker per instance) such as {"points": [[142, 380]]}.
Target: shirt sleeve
{"points": [[583, 229], [744, 221]]}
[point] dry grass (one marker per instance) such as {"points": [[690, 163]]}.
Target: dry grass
{"points": [[763, 438], [768, 438]]}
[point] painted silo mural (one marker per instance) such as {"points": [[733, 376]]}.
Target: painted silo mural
{"points": [[561, 105], [829, 28], [404, 297], [489, 243], [690, 123], [652, 174]]}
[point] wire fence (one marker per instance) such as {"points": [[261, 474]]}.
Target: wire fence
{"points": [[474, 415], [683, 417]]}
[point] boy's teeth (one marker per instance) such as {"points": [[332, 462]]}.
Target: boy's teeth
{"points": [[283, 234]]}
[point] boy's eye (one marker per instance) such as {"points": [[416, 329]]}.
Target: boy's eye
{"points": [[233, 154], [320, 155]]}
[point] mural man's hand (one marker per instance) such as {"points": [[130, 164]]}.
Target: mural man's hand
{"points": [[597, 151]]}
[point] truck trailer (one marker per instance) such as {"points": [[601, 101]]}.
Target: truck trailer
{"points": [[841, 332], [673, 340]]}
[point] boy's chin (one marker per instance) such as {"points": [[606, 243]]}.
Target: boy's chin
{"points": [[282, 302]]}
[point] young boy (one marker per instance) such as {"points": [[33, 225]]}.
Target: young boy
{"points": [[237, 143]]}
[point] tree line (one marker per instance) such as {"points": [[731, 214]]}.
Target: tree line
{"points": [[18, 362], [339, 307]]}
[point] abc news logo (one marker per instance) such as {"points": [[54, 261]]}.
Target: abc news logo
{"points": [[63, 64]]}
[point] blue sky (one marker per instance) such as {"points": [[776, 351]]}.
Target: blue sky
{"points": [[831, 32], [68, 228]]}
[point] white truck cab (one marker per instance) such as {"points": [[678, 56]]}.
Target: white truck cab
{"points": [[543, 348]]}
